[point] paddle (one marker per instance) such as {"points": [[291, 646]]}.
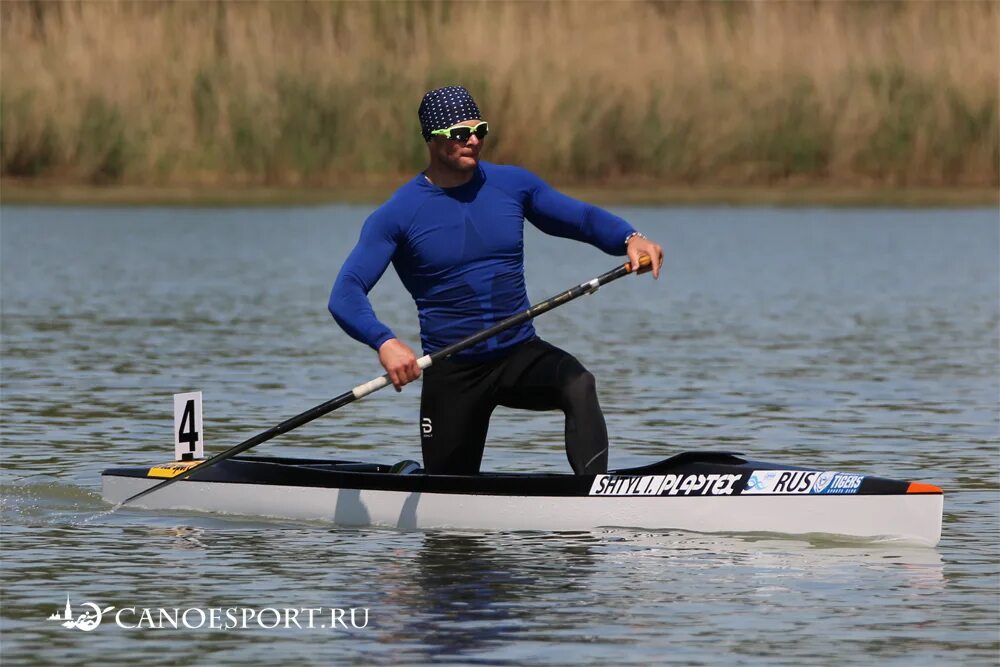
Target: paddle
{"points": [[363, 390]]}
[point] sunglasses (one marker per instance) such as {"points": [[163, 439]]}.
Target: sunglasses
{"points": [[463, 132]]}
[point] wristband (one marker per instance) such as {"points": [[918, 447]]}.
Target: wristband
{"points": [[629, 237]]}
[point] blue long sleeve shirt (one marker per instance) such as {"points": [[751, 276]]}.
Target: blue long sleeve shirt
{"points": [[460, 253]]}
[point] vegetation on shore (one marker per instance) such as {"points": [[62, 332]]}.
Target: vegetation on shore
{"points": [[857, 95], [34, 192]]}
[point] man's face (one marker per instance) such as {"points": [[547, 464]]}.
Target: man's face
{"points": [[459, 155]]}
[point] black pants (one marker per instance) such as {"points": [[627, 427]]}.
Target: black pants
{"points": [[459, 397]]}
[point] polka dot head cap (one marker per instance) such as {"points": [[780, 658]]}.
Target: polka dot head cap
{"points": [[444, 107]]}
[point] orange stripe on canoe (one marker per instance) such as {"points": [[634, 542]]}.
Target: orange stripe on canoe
{"points": [[917, 487]]}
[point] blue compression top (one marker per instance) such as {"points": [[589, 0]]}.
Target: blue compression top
{"points": [[460, 253]]}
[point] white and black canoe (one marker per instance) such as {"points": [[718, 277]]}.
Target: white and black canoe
{"points": [[708, 492]]}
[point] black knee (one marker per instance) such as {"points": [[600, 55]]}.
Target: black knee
{"points": [[579, 390]]}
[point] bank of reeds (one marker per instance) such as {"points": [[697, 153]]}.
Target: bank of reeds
{"points": [[216, 93]]}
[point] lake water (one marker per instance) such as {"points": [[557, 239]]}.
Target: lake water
{"points": [[861, 340]]}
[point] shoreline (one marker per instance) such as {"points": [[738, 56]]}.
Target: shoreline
{"points": [[67, 194]]}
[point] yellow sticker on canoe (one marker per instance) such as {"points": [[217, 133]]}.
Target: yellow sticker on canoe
{"points": [[172, 469]]}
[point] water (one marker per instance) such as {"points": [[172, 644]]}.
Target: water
{"points": [[861, 340]]}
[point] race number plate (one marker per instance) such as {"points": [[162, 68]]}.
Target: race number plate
{"points": [[189, 442]]}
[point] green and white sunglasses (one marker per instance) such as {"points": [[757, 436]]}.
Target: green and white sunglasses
{"points": [[463, 132]]}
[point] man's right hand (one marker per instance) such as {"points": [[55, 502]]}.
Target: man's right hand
{"points": [[399, 362]]}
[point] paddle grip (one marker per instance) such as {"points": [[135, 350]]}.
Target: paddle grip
{"points": [[645, 265], [372, 386]]}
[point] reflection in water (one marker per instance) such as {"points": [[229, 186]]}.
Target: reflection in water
{"points": [[182, 537], [794, 558], [472, 592]]}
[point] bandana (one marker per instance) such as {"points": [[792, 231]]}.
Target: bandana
{"points": [[445, 107]]}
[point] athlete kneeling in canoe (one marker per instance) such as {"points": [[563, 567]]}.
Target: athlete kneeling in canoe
{"points": [[455, 236]]}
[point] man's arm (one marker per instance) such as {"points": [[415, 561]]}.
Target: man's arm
{"points": [[352, 310], [555, 213], [349, 302]]}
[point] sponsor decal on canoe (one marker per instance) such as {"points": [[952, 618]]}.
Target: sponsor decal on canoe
{"points": [[665, 485], [171, 469], [837, 482], [801, 482]]}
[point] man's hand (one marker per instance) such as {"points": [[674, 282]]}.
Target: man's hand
{"points": [[399, 362], [638, 246]]}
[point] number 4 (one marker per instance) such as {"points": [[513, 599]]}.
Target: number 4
{"points": [[191, 436], [188, 443]]}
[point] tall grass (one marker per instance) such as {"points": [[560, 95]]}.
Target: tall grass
{"points": [[859, 93]]}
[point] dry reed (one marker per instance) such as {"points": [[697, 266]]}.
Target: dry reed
{"points": [[210, 93]]}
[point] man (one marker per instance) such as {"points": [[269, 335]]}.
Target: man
{"points": [[455, 236]]}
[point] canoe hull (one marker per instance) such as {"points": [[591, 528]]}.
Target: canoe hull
{"points": [[912, 518]]}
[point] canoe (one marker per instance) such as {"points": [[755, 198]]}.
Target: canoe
{"points": [[706, 492]]}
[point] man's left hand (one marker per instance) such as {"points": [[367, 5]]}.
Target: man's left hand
{"points": [[638, 246]]}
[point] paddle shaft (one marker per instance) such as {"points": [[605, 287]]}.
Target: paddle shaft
{"points": [[363, 390]]}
